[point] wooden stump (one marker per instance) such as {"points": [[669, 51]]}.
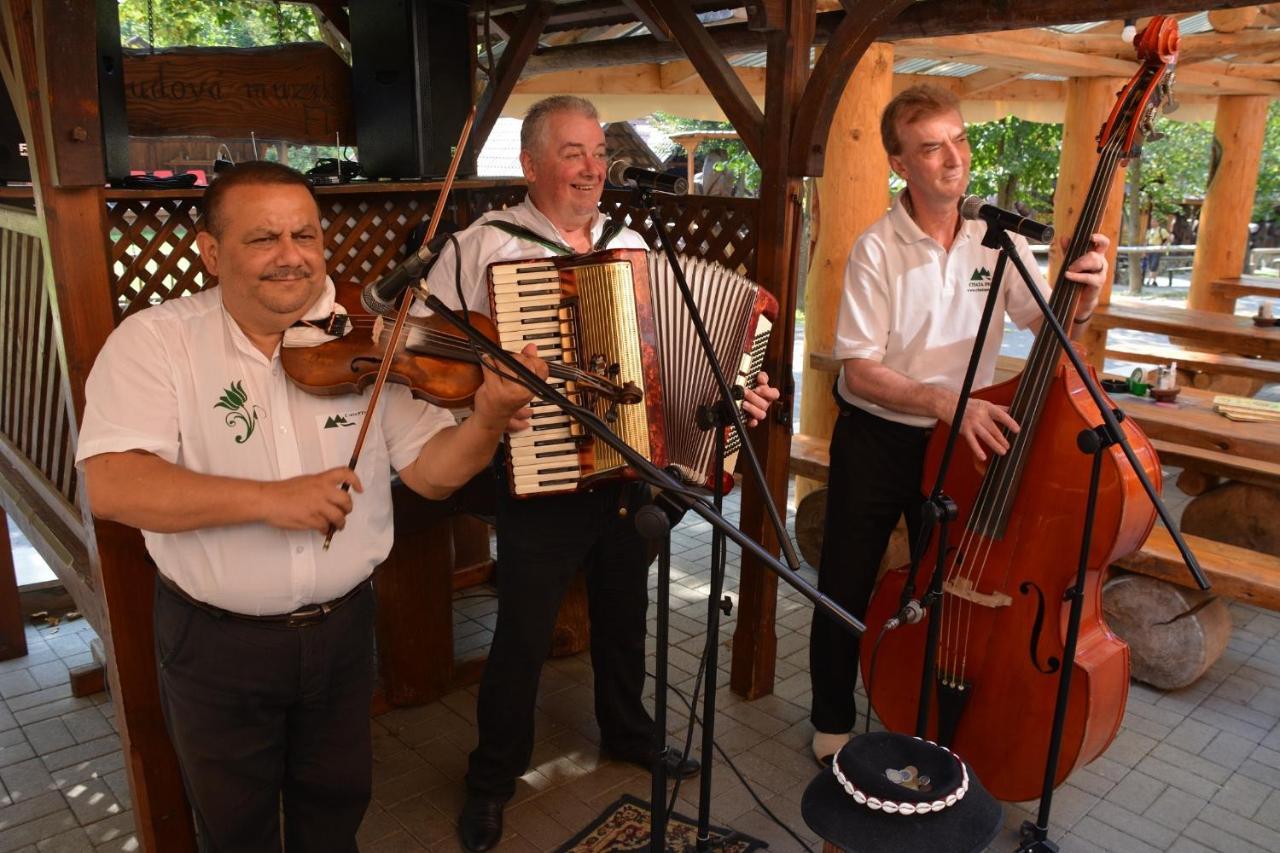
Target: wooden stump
{"points": [[1224, 383], [1174, 634], [1192, 482], [1238, 514], [811, 516]]}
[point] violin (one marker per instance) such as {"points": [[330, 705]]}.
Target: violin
{"points": [[1006, 593], [432, 358]]}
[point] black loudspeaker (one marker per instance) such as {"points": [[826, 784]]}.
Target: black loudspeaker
{"points": [[13, 155], [115, 125], [411, 85]]}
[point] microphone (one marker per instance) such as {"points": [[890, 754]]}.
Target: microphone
{"points": [[379, 297], [911, 613], [622, 173], [973, 207]]}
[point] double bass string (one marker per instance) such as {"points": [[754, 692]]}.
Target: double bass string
{"points": [[1001, 482]]}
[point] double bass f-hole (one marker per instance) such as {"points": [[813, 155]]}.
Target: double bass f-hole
{"points": [[1051, 664]]}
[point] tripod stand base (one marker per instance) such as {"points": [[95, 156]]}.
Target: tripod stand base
{"points": [[1034, 840]]}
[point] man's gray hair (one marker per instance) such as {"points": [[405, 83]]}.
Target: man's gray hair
{"points": [[534, 130]]}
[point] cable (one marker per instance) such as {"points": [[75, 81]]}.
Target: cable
{"points": [[750, 790], [871, 674]]}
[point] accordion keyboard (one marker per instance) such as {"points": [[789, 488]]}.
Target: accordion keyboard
{"points": [[528, 308]]}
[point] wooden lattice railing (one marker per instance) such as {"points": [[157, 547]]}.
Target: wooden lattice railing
{"points": [[154, 257]]}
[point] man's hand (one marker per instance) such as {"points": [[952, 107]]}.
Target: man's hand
{"points": [[756, 401], [503, 400], [981, 426], [310, 502], [1090, 270]]}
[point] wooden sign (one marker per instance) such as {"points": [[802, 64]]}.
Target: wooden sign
{"points": [[298, 92]]}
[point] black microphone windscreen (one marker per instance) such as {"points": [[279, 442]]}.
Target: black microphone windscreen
{"points": [[618, 171]]}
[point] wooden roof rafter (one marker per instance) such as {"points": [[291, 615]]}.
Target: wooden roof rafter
{"points": [[521, 44], [726, 87], [827, 81]]}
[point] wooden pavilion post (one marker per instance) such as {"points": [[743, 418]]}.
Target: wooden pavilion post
{"points": [[789, 36], [13, 637], [1089, 102], [852, 193], [50, 70], [1238, 132]]}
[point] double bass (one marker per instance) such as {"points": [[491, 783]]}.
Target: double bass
{"points": [[1005, 600]]}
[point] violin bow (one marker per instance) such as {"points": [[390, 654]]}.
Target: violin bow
{"points": [[406, 300]]}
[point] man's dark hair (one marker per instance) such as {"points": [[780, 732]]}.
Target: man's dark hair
{"points": [[252, 172]]}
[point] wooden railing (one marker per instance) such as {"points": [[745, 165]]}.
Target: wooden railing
{"points": [[153, 252], [37, 468]]}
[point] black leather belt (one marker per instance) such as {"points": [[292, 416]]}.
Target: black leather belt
{"points": [[310, 614]]}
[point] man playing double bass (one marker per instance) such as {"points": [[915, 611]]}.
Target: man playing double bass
{"points": [[914, 289]]}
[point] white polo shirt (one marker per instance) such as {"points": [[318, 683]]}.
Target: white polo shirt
{"points": [[482, 245], [915, 307], [182, 381]]}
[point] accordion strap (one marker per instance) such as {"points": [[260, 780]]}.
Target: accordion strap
{"points": [[611, 229]]}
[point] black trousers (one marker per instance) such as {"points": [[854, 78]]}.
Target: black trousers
{"points": [[267, 718], [874, 479], [541, 544]]}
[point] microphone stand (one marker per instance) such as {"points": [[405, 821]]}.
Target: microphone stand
{"points": [[673, 490], [1091, 442], [715, 416]]}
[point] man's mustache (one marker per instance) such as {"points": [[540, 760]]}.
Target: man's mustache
{"points": [[286, 274]]}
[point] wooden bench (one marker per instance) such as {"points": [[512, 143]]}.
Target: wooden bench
{"points": [[1234, 572], [1194, 360], [1207, 328], [1246, 285]]}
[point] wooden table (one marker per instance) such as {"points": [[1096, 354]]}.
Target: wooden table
{"points": [[1207, 328], [1246, 285]]}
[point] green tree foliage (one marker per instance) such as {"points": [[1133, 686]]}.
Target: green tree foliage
{"points": [[214, 23], [740, 164], [1015, 160], [1266, 205], [1175, 166]]}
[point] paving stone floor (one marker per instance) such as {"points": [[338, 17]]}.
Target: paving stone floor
{"points": [[1193, 770]]}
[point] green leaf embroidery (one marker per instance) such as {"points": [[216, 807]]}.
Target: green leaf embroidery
{"points": [[239, 415]]}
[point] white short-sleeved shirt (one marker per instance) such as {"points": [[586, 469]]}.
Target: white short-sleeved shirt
{"points": [[482, 245], [915, 307], [182, 381]]}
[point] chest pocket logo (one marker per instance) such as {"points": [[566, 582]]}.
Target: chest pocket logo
{"points": [[241, 414], [980, 280], [337, 433]]}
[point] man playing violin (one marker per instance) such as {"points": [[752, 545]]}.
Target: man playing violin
{"points": [[264, 639], [542, 542], [914, 289]]}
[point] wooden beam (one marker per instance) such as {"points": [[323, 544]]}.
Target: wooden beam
{"points": [[68, 75], [331, 14], [594, 13], [738, 105], [673, 74], [13, 631], [779, 215], [830, 74], [924, 19], [520, 46], [653, 24], [1251, 70], [1193, 48], [984, 81]]}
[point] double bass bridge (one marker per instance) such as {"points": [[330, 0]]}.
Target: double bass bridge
{"points": [[963, 588]]}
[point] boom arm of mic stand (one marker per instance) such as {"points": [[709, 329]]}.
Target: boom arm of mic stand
{"points": [[652, 474], [1108, 417], [722, 385]]}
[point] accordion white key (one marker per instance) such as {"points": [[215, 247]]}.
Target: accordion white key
{"points": [[619, 314]]}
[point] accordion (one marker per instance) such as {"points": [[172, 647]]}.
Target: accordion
{"points": [[619, 314]]}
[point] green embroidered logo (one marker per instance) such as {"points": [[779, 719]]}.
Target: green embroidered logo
{"points": [[239, 415], [981, 279], [336, 421]]}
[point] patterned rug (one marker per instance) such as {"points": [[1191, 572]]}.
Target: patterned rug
{"points": [[625, 826]]}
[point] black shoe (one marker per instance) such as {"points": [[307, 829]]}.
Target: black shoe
{"points": [[480, 824], [677, 764]]}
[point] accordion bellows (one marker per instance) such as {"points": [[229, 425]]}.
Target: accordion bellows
{"points": [[619, 313]]}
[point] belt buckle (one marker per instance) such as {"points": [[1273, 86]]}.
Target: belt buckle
{"points": [[309, 615]]}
